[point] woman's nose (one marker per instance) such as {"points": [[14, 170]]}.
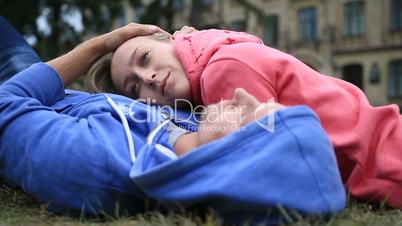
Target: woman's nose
{"points": [[148, 77]]}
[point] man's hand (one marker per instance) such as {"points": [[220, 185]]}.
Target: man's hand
{"points": [[112, 40], [184, 30], [252, 109], [77, 62], [224, 118], [228, 116]]}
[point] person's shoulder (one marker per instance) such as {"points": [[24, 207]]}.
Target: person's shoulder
{"points": [[39, 67]]}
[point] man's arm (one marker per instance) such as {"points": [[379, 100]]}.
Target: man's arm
{"points": [[62, 160]]}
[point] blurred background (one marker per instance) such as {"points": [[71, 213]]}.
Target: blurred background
{"points": [[356, 40]]}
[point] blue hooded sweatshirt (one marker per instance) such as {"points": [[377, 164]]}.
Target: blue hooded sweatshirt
{"points": [[95, 153]]}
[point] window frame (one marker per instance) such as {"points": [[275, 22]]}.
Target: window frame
{"points": [[308, 23], [354, 18], [271, 22], [395, 74], [395, 12]]}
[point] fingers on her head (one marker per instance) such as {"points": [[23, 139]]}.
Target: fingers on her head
{"points": [[187, 29], [134, 29], [184, 30]]}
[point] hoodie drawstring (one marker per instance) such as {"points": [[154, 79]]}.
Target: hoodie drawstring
{"points": [[126, 127]]}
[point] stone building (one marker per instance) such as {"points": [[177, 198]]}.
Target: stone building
{"points": [[357, 40]]}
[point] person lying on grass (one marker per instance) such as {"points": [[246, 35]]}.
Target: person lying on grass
{"points": [[206, 66], [84, 153]]}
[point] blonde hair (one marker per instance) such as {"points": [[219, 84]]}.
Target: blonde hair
{"points": [[100, 75]]}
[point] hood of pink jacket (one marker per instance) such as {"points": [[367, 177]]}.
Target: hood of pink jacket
{"points": [[195, 50]]}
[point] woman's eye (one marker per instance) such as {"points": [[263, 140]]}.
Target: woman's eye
{"points": [[144, 58]]}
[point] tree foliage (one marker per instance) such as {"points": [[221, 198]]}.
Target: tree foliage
{"points": [[156, 12], [96, 18]]}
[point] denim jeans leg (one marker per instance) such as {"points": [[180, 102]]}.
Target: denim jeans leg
{"points": [[15, 53]]}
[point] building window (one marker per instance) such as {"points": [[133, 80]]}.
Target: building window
{"points": [[270, 30], [353, 18], [395, 79], [353, 73], [396, 15], [238, 25], [375, 73], [308, 24]]}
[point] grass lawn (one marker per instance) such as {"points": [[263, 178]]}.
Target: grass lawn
{"points": [[16, 208]]}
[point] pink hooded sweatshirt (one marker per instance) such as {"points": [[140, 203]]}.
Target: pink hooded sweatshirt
{"points": [[367, 139]]}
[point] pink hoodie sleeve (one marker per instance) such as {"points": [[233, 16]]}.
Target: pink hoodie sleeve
{"points": [[367, 139], [221, 78]]}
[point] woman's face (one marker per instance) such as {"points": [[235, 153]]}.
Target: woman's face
{"points": [[147, 68]]}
